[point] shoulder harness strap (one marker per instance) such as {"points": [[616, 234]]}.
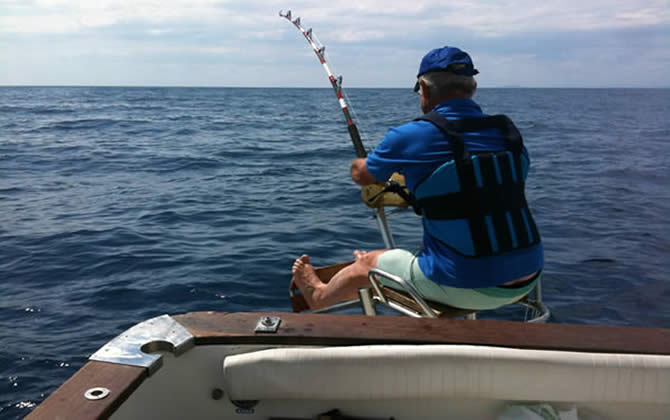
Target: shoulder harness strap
{"points": [[451, 133]]}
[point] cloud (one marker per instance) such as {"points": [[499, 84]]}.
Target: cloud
{"points": [[60, 16], [351, 35], [357, 19], [565, 15], [411, 19], [361, 36]]}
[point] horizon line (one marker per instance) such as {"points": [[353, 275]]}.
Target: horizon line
{"points": [[314, 87]]}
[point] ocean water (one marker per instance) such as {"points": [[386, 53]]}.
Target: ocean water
{"points": [[120, 204]]}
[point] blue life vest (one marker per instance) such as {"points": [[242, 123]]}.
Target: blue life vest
{"points": [[475, 204]]}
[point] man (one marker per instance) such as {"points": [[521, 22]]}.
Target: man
{"points": [[466, 170]]}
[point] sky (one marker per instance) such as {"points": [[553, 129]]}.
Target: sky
{"points": [[371, 43]]}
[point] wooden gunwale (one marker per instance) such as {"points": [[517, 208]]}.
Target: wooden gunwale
{"points": [[325, 329], [68, 401]]}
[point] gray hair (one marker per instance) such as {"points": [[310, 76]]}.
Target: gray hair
{"points": [[444, 82]]}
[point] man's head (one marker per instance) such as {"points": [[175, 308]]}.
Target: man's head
{"points": [[445, 73]]}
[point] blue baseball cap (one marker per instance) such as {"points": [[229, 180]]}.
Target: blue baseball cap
{"points": [[451, 59]]}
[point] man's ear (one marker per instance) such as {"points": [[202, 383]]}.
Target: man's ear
{"points": [[425, 90]]}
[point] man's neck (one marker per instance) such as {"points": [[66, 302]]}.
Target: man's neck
{"points": [[435, 101]]}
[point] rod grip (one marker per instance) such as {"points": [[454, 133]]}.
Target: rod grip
{"points": [[356, 140]]}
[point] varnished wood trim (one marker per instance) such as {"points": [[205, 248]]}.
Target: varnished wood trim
{"points": [[68, 401], [224, 328]]}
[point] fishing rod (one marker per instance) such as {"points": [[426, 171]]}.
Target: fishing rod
{"points": [[336, 83]]}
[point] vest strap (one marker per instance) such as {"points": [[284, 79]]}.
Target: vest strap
{"points": [[453, 136]]}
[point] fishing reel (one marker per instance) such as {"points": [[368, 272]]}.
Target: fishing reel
{"points": [[393, 193]]}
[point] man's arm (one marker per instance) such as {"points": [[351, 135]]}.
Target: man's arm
{"points": [[360, 173]]}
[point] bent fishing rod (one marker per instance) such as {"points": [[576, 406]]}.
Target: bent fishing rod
{"points": [[336, 83]]}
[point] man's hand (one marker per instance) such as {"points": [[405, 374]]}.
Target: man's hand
{"points": [[360, 173]]}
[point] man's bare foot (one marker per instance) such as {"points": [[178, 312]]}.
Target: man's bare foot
{"points": [[306, 279], [304, 259]]}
